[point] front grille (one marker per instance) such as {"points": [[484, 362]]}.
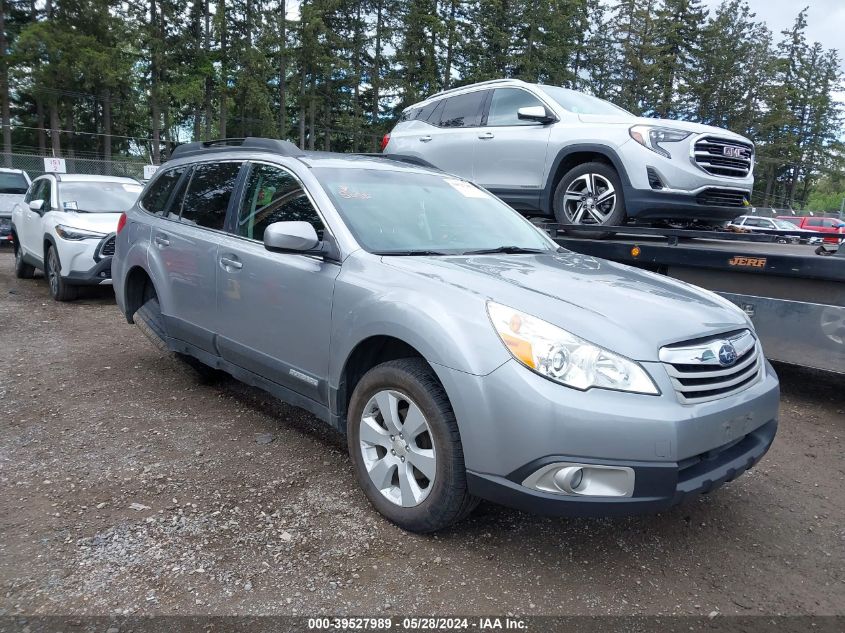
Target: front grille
{"points": [[107, 248], [699, 372], [713, 197], [710, 154]]}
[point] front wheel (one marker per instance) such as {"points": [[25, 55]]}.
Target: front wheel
{"points": [[589, 195], [60, 289], [405, 447]]}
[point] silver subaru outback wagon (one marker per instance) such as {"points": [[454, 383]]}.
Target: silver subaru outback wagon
{"points": [[462, 352]]}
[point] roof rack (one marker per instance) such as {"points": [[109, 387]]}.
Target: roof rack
{"points": [[399, 158], [480, 83], [250, 143]]}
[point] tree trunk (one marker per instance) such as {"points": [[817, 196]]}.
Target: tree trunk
{"points": [[224, 79], [450, 43], [4, 89], [302, 110], [155, 111], [70, 126], [54, 127], [283, 71], [107, 126], [39, 117], [312, 116], [376, 78]]}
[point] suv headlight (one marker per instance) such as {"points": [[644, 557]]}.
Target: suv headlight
{"points": [[651, 137], [75, 235], [563, 357]]}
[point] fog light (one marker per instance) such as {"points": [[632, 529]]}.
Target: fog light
{"points": [[583, 480]]}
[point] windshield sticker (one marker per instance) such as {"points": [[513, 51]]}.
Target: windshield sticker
{"points": [[347, 193], [132, 188], [71, 204], [465, 189]]}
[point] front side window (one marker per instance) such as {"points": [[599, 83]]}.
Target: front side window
{"points": [[45, 193], [98, 197], [394, 212], [156, 196], [13, 183], [208, 194], [274, 195], [814, 222], [462, 110], [505, 105]]}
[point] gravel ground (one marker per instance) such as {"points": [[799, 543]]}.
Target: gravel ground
{"points": [[127, 487]]}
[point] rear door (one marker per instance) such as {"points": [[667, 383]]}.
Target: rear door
{"points": [[510, 153], [185, 246], [275, 308], [449, 143]]}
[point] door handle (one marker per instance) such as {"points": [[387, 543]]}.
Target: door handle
{"points": [[425, 139], [231, 263], [486, 135], [161, 240]]}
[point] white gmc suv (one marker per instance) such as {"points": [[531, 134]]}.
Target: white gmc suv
{"points": [[554, 151], [65, 226]]}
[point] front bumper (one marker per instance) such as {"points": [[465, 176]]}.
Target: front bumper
{"points": [[701, 204], [99, 274], [658, 485], [514, 422]]}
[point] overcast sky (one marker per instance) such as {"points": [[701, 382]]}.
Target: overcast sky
{"points": [[825, 19]]}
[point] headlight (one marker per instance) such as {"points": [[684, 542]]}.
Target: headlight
{"points": [[75, 235], [563, 357], [652, 137]]}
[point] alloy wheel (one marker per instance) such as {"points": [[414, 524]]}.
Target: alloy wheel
{"points": [[53, 269], [589, 199], [397, 446]]}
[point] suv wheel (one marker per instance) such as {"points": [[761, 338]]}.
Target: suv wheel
{"points": [[589, 194], [22, 269], [405, 447], [60, 290]]}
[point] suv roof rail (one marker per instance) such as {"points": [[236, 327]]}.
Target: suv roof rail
{"points": [[400, 158], [479, 83], [250, 143]]}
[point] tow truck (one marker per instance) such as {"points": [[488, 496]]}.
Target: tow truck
{"points": [[793, 293]]}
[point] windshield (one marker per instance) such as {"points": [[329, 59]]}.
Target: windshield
{"points": [[13, 183], [784, 225], [401, 212], [98, 197], [581, 103]]}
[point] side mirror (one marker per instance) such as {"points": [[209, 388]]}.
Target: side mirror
{"points": [[535, 113], [291, 237], [36, 205]]}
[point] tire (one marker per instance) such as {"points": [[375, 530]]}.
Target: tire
{"points": [[584, 181], [60, 289], [149, 321], [22, 269], [428, 504]]}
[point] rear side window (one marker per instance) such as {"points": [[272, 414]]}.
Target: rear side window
{"points": [[155, 198], [814, 222], [274, 195], [208, 194], [505, 105], [462, 110]]}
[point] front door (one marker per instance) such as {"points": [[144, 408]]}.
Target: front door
{"points": [[275, 309]]}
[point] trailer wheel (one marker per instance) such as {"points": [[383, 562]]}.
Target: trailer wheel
{"points": [[589, 195]]}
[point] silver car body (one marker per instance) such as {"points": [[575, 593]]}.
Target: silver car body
{"points": [[522, 163], [290, 323]]}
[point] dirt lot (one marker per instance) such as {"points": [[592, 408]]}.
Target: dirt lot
{"points": [[126, 486]]}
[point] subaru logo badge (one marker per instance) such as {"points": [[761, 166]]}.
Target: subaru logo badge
{"points": [[727, 355]]}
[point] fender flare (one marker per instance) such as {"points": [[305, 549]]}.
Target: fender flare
{"points": [[596, 148]]}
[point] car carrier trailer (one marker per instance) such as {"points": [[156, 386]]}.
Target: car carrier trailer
{"points": [[794, 293]]}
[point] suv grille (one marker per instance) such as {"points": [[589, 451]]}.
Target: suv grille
{"points": [[724, 157], [722, 198], [701, 370], [107, 248]]}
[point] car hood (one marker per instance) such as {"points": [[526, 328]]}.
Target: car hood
{"points": [[688, 126], [99, 222], [8, 202], [626, 310]]}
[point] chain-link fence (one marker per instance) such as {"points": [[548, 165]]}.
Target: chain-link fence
{"points": [[33, 165]]}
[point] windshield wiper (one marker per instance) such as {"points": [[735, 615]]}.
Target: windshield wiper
{"points": [[420, 252], [510, 250]]}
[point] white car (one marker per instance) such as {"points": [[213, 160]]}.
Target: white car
{"points": [[558, 152], [13, 186], [65, 226], [756, 224]]}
